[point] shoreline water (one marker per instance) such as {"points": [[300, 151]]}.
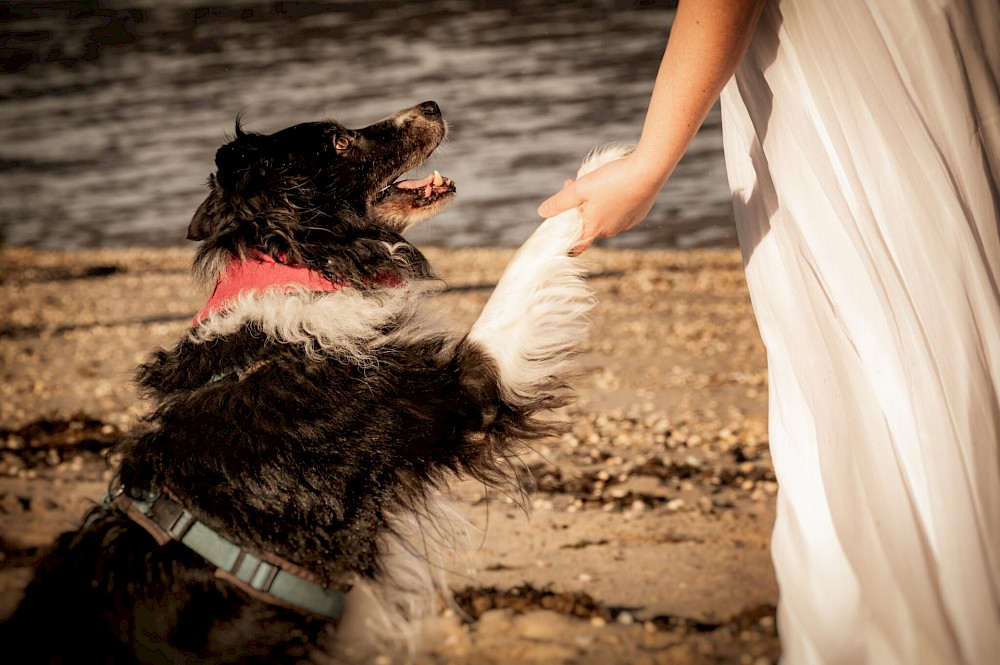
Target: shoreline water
{"points": [[111, 115]]}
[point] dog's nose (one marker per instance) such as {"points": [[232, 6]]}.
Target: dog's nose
{"points": [[430, 109]]}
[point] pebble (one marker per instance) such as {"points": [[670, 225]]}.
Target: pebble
{"points": [[543, 504]]}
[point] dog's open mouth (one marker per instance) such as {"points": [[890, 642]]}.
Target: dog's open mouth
{"points": [[404, 203], [420, 193]]}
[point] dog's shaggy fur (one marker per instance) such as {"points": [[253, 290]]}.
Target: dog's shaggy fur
{"points": [[314, 426]]}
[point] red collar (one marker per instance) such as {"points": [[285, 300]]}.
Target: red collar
{"points": [[258, 272]]}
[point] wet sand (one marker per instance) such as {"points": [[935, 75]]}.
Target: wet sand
{"points": [[647, 536]]}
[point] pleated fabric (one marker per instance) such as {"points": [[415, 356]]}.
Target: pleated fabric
{"points": [[863, 148]]}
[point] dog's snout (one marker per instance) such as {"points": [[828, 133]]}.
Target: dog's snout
{"points": [[430, 109], [426, 111]]}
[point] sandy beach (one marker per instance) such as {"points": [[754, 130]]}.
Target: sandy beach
{"points": [[646, 534]]}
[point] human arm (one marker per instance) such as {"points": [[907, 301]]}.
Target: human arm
{"points": [[707, 42]]}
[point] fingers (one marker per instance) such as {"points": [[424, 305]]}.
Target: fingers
{"points": [[587, 238], [563, 200], [566, 199], [582, 247]]}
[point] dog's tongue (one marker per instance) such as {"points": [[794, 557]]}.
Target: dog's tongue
{"points": [[433, 180]]}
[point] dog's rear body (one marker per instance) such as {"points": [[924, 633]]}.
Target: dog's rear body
{"points": [[312, 426]]}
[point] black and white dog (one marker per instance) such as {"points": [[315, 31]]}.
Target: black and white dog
{"points": [[284, 490]]}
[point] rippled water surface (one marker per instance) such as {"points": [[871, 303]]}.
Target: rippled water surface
{"points": [[111, 112]]}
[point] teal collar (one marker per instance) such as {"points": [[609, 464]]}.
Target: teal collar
{"points": [[266, 576]]}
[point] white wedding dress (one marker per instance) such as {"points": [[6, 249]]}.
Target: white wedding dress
{"points": [[863, 147]]}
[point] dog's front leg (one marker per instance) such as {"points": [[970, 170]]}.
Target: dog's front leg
{"points": [[537, 314]]}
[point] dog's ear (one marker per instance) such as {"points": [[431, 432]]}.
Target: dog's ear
{"points": [[243, 160], [211, 216], [237, 164]]}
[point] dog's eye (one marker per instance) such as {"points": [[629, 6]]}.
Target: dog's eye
{"points": [[342, 143]]}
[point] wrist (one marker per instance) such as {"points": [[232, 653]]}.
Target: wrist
{"points": [[652, 165]]}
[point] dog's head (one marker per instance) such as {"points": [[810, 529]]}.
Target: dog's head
{"points": [[322, 195]]}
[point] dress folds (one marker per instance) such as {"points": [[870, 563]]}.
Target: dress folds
{"points": [[862, 143]]}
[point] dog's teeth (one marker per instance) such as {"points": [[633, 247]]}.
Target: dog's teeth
{"points": [[438, 180]]}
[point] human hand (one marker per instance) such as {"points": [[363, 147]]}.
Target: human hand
{"points": [[612, 198]]}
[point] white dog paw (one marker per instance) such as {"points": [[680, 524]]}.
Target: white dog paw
{"points": [[603, 154]]}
